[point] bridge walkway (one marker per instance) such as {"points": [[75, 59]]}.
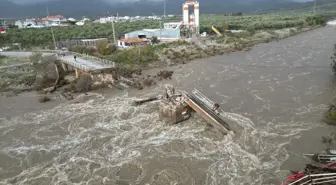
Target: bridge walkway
{"points": [[82, 62]]}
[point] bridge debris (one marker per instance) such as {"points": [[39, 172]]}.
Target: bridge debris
{"points": [[322, 172], [324, 157], [176, 107], [314, 175]]}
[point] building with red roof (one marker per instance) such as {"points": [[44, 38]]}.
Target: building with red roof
{"points": [[55, 18]]}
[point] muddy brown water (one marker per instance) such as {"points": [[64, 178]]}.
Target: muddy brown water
{"points": [[274, 95]]}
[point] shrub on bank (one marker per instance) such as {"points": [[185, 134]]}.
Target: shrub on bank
{"points": [[333, 63]]}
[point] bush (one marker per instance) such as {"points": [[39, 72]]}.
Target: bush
{"points": [[138, 55], [84, 50], [155, 40], [333, 63], [104, 48]]}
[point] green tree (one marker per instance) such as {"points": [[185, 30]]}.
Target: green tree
{"points": [[333, 63], [104, 48], [155, 40]]}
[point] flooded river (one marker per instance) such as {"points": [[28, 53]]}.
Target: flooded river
{"points": [[275, 94]]}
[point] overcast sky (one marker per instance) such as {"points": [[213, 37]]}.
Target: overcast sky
{"points": [[112, 1], [38, 1]]}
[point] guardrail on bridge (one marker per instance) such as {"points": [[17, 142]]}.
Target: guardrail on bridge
{"points": [[87, 57]]}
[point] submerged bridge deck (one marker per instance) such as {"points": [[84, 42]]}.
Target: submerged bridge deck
{"points": [[203, 106]]}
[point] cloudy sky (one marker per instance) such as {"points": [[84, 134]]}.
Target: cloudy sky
{"points": [[111, 1], [39, 1]]}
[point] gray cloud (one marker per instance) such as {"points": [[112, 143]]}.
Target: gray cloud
{"points": [[29, 1], [43, 1], [108, 1]]}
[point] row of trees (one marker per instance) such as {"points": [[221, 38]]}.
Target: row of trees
{"points": [[260, 22], [43, 37], [103, 48]]}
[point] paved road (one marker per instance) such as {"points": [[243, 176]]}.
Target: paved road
{"points": [[88, 64], [82, 63], [20, 54]]}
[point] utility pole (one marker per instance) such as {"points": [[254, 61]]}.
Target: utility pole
{"points": [[52, 31], [160, 30], [113, 32], [164, 8], [314, 7]]}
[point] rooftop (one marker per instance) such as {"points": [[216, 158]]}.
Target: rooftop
{"points": [[86, 40], [54, 17], [133, 40]]}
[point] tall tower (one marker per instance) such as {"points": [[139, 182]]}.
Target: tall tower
{"points": [[185, 14], [192, 21], [197, 17]]}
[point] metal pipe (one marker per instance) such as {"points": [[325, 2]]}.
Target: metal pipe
{"points": [[324, 178], [325, 182]]}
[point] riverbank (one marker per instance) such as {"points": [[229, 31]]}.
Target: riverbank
{"points": [[276, 93], [169, 55]]}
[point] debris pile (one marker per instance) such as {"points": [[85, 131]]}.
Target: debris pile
{"points": [[137, 80], [173, 107], [322, 172], [176, 107]]}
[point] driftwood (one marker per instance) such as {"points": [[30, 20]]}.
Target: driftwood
{"points": [[140, 102], [57, 80], [54, 87], [67, 96]]}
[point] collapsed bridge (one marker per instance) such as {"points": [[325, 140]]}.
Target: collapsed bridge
{"points": [[177, 107]]}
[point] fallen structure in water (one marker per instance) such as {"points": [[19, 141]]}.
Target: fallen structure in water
{"points": [[176, 107], [314, 175], [322, 172], [324, 157]]}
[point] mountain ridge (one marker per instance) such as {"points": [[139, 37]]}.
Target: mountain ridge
{"points": [[90, 8]]}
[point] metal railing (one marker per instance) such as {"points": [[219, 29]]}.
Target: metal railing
{"points": [[210, 104], [76, 65], [315, 179], [87, 57]]}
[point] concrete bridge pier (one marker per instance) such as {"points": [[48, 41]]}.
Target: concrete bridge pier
{"points": [[65, 67], [81, 72], [77, 73]]}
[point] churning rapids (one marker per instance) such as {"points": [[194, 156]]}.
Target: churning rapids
{"points": [[275, 94]]}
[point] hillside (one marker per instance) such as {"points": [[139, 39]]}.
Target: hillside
{"points": [[90, 8], [321, 6]]}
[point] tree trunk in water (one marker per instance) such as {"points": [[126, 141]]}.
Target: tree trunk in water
{"points": [[57, 80], [140, 102]]}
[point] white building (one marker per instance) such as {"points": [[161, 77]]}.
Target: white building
{"points": [[19, 24], [80, 23]]}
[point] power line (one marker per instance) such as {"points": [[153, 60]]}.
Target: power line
{"points": [[164, 8], [314, 7], [52, 30]]}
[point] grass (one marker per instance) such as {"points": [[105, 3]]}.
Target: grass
{"points": [[17, 78], [11, 60]]}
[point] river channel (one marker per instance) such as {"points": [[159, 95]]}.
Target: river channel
{"points": [[275, 96]]}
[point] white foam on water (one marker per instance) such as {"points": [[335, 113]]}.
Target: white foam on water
{"points": [[90, 138]]}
